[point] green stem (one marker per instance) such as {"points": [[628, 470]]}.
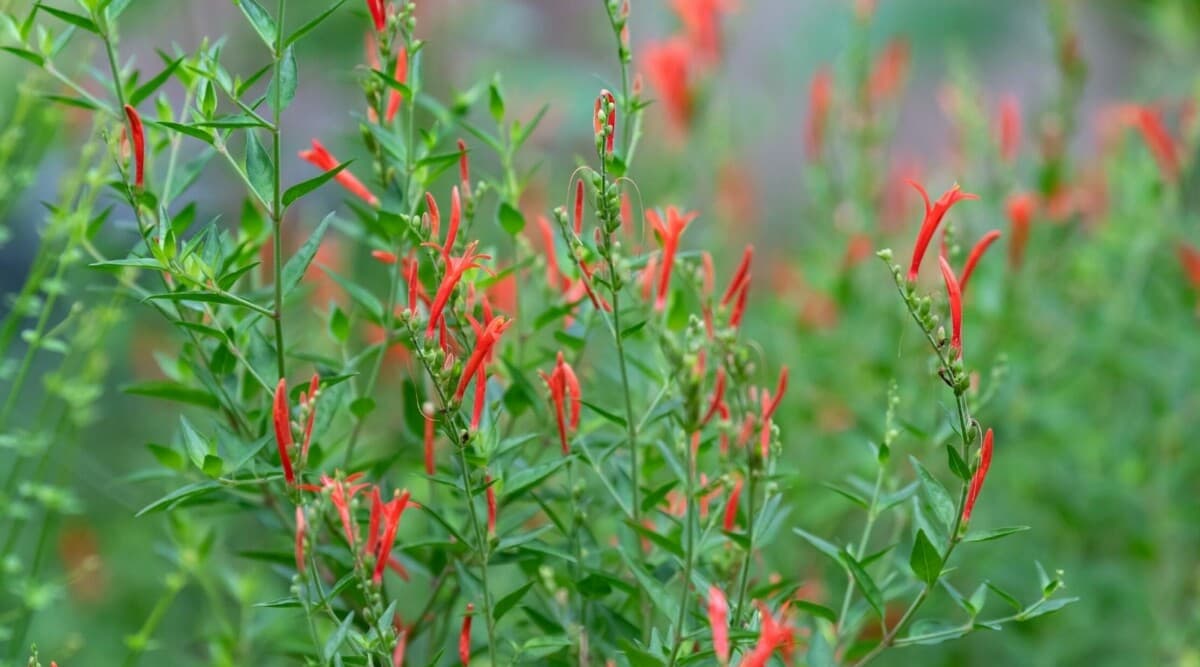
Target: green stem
{"points": [[277, 192], [689, 553]]}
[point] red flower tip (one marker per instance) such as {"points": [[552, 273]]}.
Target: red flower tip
{"points": [[1021, 208], [384, 256], [464, 636], [731, 508], [311, 406], [985, 462], [718, 620], [283, 430], [1008, 130], [579, 207], [1189, 259], [491, 505], [889, 71], [1159, 142], [740, 276], [954, 293], [464, 167], [322, 159], [395, 97], [820, 99], [138, 135], [933, 217], [973, 258]]}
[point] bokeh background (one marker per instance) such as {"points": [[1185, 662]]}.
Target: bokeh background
{"points": [[1092, 344]]}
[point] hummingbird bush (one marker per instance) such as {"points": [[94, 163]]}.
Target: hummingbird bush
{"points": [[427, 403]]}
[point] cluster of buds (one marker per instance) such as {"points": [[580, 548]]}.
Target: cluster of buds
{"points": [[604, 123], [618, 16]]}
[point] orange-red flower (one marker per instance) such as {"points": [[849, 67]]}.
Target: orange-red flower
{"points": [[378, 13], [667, 65], [985, 462], [1160, 143], [1008, 128], [955, 296], [137, 135], [731, 508], [395, 98], [668, 234], [773, 634], [718, 397], [455, 268], [283, 430], [701, 23], [1189, 258], [484, 343], [973, 258], [564, 387], [933, 217], [820, 99], [464, 636], [491, 505], [388, 514], [718, 620], [1021, 207], [889, 72], [325, 161]]}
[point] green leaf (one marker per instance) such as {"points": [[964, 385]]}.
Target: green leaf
{"points": [[523, 480], [667, 544], [212, 466], [496, 99], [77, 102], [77, 20], [995, 534], [362, 406], [510, 218], [612, 417], [300, 189], [1004, 595], [506, 603], [957, 465], [338, 637], [263, 24], [939, 498], [293, 272], [820, 653], [848, 495], [659, 596], [820, 544], [258, 167], [189, 130], [1043, 607], [173, 391], [925, 560], [189, 492], [817, 610], [864, 581], [25, 55], [167, 457], [144, 91], [137, 262], [283, 84], [311, 25], [193, 443], [360, 295]]}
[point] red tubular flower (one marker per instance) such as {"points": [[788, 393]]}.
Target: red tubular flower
{"points": [[377, 510], [393, 510], [669, 234], [1020, 207], [401, 644], [646, 278], [384, 257], [429, 439], [954, 293], [322, 159], [1160, 143], [731, 508], [483, 347], [1189, 259], [609, 129], [464, 167], [740, 275], [718, 397], [435, 216], [301, 527], [137, 135], [455, 268], [311, 402], [554, 276], [973, 258], [772, 635], [739, 307], [889, 72], [411, 278], [933, 217], [820, 99], [709, 274], [480, 396], [341, 495], [283, 430], [769, 407], [564, 385], [395, 98], [579, 207], [378, 14], [718, 620], [667, 66], [464, 636], [1008, 128], [491, 505], [701, 23], [985, 462]]}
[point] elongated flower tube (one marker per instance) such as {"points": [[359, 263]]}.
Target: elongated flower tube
{"points": [[483, 347], [435, 216], [378, 14], [1020, 208], [464, 168], [455, 220], [578, 207], [1160, 143], [564, 386], [137, 135], [740, 275], [1008, 128], [310, 403], [395, 97], [820, 99], [718, 397], [392, 512], [464, 636], [718, 620], [985, 462], [731, 508], [491, 505], [283, 431], [668, 233], [427, 413], [384, 256], [401, 644], [668, 67], [604, 121], [954, 294], [973, 258], [889, 71], [780, 388], [455, 268], [933, 217], [772, 635], [321, 158]]}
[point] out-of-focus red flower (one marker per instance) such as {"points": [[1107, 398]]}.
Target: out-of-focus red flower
{"points": [[301, 527], [731, 507], [718, 620], [138, 136], [464, 636], [1160, 143], [973, 258], [820, 100], [858, 248], [955, 296], [1021, 208], [1008, 128], [702, 24], [737, 198], [564, 393], [395, 97], [933, 217], [79, 551], [1189, 259], [774, 634], [668, 65], [889, 72]]}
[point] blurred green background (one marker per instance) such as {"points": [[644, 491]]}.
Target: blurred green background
{"points": [[1097, 404]]}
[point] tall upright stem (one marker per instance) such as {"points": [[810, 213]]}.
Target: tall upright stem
{"points": [[277, 189]]}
